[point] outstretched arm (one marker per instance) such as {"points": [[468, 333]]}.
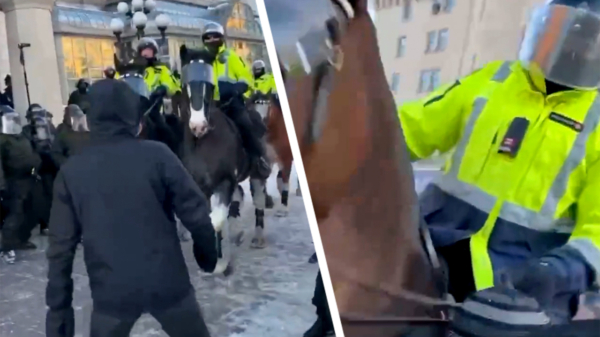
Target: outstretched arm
{"points": [[191, 208]]}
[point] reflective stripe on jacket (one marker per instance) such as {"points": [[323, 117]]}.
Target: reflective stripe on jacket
{"points": [[229, 67], [265, 84], [518, 208]]}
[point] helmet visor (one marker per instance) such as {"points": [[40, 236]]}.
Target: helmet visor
{"points": [[562, 43], [197, 71]]}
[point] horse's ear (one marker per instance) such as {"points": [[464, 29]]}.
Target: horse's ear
{"points": [[360, 6], [183, 54]]}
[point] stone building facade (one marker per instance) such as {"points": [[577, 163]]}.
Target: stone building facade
{"points": [[72, 39]]}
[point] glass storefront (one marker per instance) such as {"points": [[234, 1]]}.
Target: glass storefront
{"points": [[86, 58]]}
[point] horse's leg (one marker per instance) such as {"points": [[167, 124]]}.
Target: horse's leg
{"points": [[219, 202], [284, 187], [259, 198], [235, 216]]}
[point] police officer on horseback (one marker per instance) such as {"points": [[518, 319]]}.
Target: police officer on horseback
{"points": [[234, 85], [520, 197], [158, 77], [263, 82]]}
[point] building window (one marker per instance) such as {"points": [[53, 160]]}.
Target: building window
{"points": [[395, 82], [401, 48], [431, 41], [435, 79], [425, 81], [449, 5], [437, 40], [442, 41], [430, 80], [86, 58], [407, 10]]}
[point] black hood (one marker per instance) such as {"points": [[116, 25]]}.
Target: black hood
{"points": [[115, 110]]}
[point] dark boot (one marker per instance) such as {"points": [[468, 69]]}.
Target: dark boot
{"points": [[313, 259]]}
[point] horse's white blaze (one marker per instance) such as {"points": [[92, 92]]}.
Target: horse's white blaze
{"points": [[198, 120], [219, 212]]}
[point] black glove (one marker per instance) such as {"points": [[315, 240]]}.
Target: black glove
{"points": [[535, 278], [207, 261], [160, 92]]}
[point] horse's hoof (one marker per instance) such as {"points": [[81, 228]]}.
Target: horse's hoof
{"points": [[281, 212], [269, 204], [258, 243]]}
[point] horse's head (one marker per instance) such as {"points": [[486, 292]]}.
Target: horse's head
{"points": [[329, 57], [132, 73], [198, 86]]}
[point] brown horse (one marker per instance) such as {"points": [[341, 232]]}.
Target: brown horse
{"points": [[357, 167]]}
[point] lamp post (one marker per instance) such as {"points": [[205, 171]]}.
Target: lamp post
{"points": [[138, 13]]}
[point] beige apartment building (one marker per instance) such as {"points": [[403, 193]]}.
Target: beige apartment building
{"points": [[72, 39], [426, 43]]}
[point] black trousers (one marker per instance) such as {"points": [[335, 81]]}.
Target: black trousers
{"points": [[182, 320], [18, 222], [320, 302], [236, 110]]}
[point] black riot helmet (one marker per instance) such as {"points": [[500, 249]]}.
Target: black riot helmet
{"points": [[82, 85]]}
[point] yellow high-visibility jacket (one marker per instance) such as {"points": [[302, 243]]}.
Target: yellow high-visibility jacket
{"points": [[512, 208]]}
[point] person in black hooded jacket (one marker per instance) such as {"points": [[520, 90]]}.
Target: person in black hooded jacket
{"points": [[121, 194]]}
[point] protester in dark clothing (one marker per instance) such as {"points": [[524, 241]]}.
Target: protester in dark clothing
{"points": [[80, 96], [323, 326], [18, 172], [7, 97], [41, 133], [73, 140], [121, 194]]}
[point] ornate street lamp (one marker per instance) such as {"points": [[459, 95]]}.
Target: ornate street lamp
{"points": [[138, 13]]}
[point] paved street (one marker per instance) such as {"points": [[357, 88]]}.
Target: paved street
{"points": [[269, 295]]}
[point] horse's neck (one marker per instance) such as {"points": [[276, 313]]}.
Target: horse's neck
{"points": [[371, 234]]}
